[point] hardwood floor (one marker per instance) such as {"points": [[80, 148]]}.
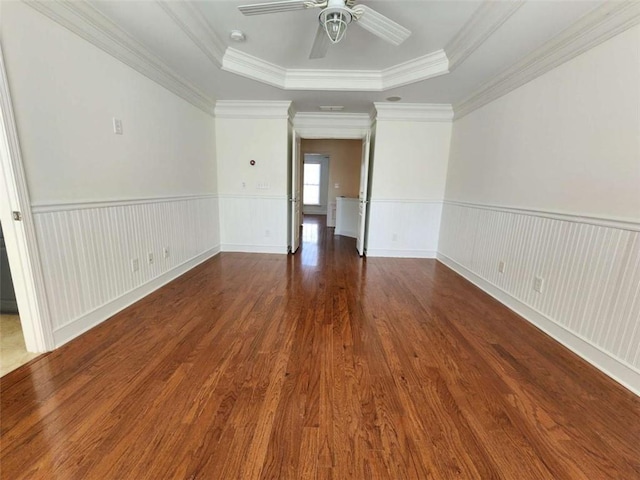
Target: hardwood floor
{"points": [[319, 365]]}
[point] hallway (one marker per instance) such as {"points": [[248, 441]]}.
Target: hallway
{"points": [[316, 365]]}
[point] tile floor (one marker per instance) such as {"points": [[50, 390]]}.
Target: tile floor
{"points": [[12, 350]]}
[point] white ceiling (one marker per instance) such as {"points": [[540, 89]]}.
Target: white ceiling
{"points": [[284, 40]]}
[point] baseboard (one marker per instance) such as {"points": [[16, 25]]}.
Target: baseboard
{"points": [[89, 320], [346, 233], [380, 252], [621, 372], [239, 248]]}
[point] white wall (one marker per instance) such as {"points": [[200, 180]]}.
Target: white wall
{"points": [[87, 185], [567, 141], [562, 154], [66, 92], [253, 199], [408, 184]]}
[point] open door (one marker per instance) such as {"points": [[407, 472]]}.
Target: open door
{"points": [[363, 195], [294, 197]]}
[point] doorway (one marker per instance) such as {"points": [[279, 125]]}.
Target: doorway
{"points": [[335, 167]]}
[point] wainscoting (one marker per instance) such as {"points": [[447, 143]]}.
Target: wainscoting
{"points": [[404, 228], [255, 224], [88, 249], [590, 297]]}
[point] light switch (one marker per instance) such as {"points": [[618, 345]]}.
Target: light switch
{"points": [[117, 126], [337, 185]]}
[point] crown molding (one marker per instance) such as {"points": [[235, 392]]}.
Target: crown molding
{"points": [[427, 66], [252, 109], [87, 22], [187, 16], [334, 80], [332, 125], [414, 112], [240, 63], [595, 27], [483, 23], [489, 16]]}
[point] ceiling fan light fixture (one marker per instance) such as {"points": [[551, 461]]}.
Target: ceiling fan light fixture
{"points": [[335, 21]]}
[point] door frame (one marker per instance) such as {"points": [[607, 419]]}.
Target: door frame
{"points": [[20, 235], [337, 126]]}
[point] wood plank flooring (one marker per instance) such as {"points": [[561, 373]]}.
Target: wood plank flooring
{"points": [[320, 365]]}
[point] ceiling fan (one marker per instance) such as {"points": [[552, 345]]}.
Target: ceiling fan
{"points": [[334, 18]]}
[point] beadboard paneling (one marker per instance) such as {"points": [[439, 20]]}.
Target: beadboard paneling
{"points": [[591, 272], [87, 251], [414, 224], [253, 223]]}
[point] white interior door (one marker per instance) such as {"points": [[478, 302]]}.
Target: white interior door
{"points": [[362, 196], [295, 194]]}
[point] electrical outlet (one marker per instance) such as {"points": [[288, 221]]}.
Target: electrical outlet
{"points": [[394, 237], [135, 265], [501, 266], [165, 252], [538, 284], [267, 233], [150, 257]]}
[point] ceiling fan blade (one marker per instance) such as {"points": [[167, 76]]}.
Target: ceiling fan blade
{"points": [[381, 26], [281, 6], [320, 44]]}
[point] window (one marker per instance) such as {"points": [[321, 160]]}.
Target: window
{"points": [[311, 192]]}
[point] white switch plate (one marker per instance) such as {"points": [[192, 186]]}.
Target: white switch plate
{"points": [[501, 266], [165, 252], [538, 284], [117, 126], [135, 265], [337, 185], [150, 257]]}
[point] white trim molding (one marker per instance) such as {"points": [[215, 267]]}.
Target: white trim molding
{"points": [[576, 278], [416, 70], [86, 21], [68, 206], [332, 125], [568, 217], [414, 112], [599, 25], [483, 23], [243, 64], [244, 109], [187, 16]]}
